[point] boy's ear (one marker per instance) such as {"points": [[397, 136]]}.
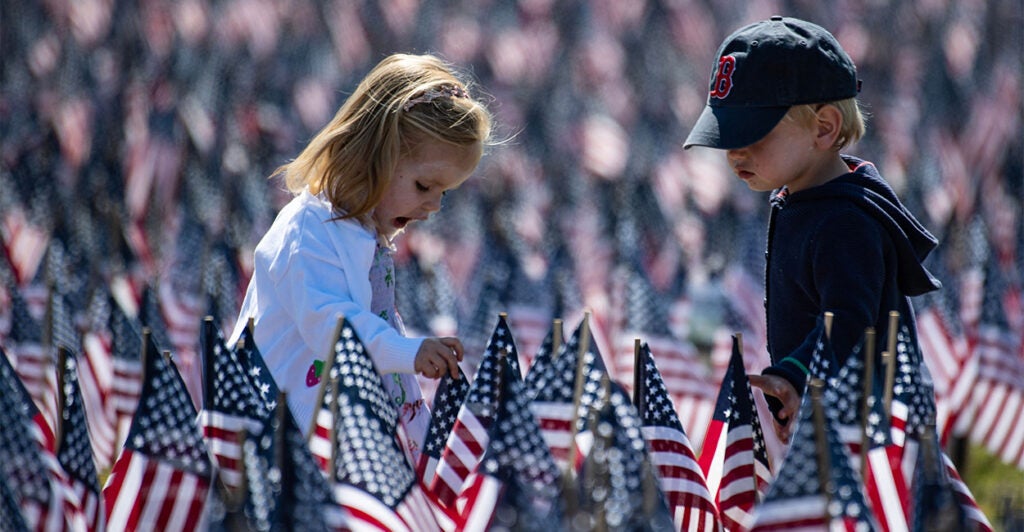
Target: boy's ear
{"points": [[829, 125]]}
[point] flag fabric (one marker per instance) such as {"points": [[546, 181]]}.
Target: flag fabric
{"points": [[797, 498], [32, 357], [884, 484], [912, 418], [450, 395], [74, 448], [734, 459], [682, 480], [163, 477], [282, 486], [262, 381], [126, 360], [516, 484], [946, 352], [10, 512], [231, 406], [617, 485], [544, 355], [468, 437], [27, 464], [355, 443], [941, 501], [555, 388]]}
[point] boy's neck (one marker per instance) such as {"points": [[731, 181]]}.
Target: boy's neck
{"points": [[830, 169]]}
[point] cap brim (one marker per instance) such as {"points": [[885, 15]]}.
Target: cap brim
{"points": [[728, 128]]}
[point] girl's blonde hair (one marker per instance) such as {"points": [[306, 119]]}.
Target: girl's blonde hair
{"points": [[402, 101], [853, 119]]}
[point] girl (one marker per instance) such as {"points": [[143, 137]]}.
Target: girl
{"points": [[408, 134]]}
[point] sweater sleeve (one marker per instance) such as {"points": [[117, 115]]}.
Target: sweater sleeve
{"points": [[317, 283]]}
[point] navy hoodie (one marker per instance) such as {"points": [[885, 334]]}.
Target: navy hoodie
{"points": [[850, 247]]}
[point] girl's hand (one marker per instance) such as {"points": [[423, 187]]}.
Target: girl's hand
{"points": [[437, 355], [782, 390]]}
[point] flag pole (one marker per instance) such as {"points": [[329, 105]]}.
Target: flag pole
{"points": [[556, 337], [639, 376], [578, 393], [207, 354], [829, 318], [817, 387], [890, 360], [865, 406]]}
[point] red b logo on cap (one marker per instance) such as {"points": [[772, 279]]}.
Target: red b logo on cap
{"points": [[723, 79]]}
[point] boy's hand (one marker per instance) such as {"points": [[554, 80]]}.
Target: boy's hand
{"points": [[437, 355], [781, 389]]}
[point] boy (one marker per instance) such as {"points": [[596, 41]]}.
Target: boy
{"points": [[782, 104]]}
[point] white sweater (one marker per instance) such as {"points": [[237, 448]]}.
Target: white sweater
{"points": [[309, 271]]}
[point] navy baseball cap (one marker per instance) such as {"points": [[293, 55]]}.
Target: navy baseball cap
{"points": [[761, 71]]}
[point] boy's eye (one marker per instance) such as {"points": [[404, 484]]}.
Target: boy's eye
{"points": [[421, 187]]}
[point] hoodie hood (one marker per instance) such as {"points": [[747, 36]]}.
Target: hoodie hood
{"points": [[866, 188]]}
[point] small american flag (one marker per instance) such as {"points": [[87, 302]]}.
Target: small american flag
{"points": [[734, 458], [26, 463], [797, 499], [555, 389], [371, 478], [126, 359], [516, 485], [230, 405], [618, 485], [468, 437], [542, 358], [163, 477], [682, 481], [74, 450], [248, 354], [448, 399], [32, 358]]}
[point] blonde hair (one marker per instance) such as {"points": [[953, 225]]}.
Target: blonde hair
{"points": [[401, 102], [853, 119]]}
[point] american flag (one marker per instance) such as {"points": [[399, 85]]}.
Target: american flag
{"points": [[618, 485], [734, 458], [248, 354], [555, 390], [998, 394], [884, 483], [912, 419], [468, 437], [797, 499], [544, 354], [282, 485], [682, 481], [941, 501], [27, 464], [448, 399], [230, 405], [356, 444], [32, 358], [74, 449], [163, 476], [25, 243], [10, 512], [96, 374], [126, 360], [947, 355], [516, 484]]}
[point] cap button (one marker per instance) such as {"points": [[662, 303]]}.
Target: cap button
{"points": [[777, 18]]}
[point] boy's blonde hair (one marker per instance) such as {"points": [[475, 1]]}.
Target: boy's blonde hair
{"points": [[402, 101], [853, 119]]}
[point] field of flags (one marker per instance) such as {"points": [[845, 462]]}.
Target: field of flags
{"points": [[109, 437]]}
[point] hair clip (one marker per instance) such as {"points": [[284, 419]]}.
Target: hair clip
{"points": [[450, 91]]}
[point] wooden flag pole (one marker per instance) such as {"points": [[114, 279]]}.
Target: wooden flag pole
{"points": [[829, 318], [578, 392], [556, 337], [890, 361], [817, 387], [865, 405], [639, 377], [207, 354]]}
